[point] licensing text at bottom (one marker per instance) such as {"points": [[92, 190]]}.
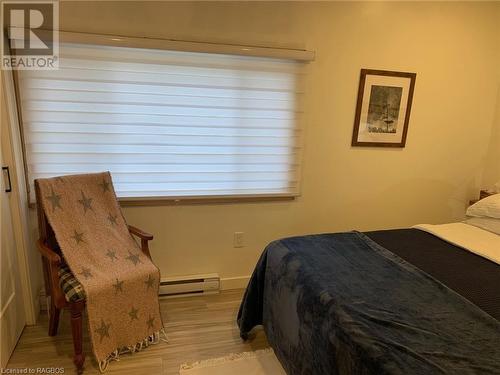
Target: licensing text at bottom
{"points": [[33, 370]]}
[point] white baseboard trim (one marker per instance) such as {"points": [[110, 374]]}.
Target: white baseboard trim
{"points": [[229, 283]]}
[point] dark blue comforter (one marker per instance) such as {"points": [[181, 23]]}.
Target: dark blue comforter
{"points": [[341, 304]]}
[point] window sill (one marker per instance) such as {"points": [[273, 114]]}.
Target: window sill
{"points": [[159, 201]]}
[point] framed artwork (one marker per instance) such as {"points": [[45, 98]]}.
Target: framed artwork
{"points": [[383, 108]]}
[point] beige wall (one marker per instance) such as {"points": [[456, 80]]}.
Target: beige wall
{"points": [[492, 165], [451, 46]]}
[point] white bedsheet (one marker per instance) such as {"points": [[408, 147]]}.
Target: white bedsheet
{"points": [[474, 239]]}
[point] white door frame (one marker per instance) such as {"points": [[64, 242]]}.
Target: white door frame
{"points": [[19, 201]]}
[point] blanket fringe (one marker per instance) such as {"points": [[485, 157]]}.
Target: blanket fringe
{"points": [[230, 357], [153, 339]]}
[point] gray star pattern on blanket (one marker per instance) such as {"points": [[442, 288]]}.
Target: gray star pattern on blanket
{"points": [[112, 218], [55, 200], [104, 185], [150, 321], [118, 286], [112, 255], [133, 314], [86, 203], [86, 273], [78, 237], [103, 330], [149, 282], [134, 258]]}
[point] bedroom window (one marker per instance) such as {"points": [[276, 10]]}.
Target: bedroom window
{"points": [[167, 124]]}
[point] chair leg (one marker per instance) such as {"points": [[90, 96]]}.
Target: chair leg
{"points": [[53, 319], [77, 331]]}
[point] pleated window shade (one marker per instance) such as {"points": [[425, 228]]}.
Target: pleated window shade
{"points": [[166, 123]]}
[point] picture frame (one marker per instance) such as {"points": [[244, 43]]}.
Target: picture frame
{"points": [[383, 108]]}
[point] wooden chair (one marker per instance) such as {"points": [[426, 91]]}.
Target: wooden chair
{"points": [[52, 261]]}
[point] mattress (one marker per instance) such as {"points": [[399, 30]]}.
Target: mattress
{"points": [[470, 275]]}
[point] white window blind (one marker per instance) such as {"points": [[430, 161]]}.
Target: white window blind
{"points": [[165, 123]]}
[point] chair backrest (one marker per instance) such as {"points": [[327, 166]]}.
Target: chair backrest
{"points": [[46, 234]]}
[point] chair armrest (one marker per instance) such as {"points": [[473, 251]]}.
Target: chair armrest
{"points": [[53, 261], [145, 237], [48, 253], [139, 233]]}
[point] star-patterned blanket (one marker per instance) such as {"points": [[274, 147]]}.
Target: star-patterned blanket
{"points": [[120, 282]]}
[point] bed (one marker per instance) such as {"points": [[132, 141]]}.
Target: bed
{"points": [[405, 301]]}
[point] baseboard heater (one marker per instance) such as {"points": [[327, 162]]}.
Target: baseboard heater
{"points": [[188, 285]]}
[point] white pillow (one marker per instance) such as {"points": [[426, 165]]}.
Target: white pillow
{"points": [[487, 207], [486, 223]]}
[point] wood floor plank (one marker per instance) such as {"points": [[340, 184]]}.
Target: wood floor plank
{"points": [[198, 327]]}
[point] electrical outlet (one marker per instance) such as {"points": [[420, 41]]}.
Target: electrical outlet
{"points": [[238, 240]]}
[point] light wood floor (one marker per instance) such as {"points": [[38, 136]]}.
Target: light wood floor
{"points": [[198, 328]]}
